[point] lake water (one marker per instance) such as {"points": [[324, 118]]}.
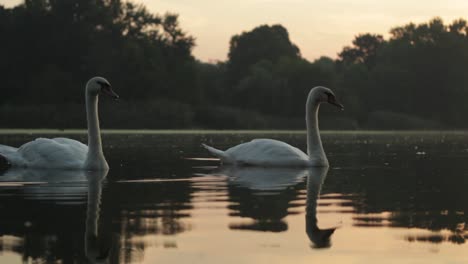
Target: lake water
{"points": [[386, 198]]}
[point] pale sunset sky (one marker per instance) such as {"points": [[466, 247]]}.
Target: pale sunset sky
{"points": [[317, 27]]}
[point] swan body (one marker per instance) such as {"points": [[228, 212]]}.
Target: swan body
{"points": [[263, 152], [270, 153], [44, 153], [65, 153]]}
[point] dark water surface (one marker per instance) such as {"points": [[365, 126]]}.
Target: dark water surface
{"points": [[387, 198]]}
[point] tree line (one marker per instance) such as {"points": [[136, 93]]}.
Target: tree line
{"points": [[415, 79]]}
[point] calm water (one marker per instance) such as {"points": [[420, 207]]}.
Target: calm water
{"points": [[386, 198]]}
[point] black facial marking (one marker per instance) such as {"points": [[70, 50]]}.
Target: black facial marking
{"points": [[103, 84], [330, 96]]}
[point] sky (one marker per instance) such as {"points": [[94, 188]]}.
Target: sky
{"points": [[317, 27]]}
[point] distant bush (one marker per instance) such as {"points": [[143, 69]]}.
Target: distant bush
{"points": [[228, 118], [390, 120], [150, 114], [338, 123], [154, 114], [220, 117]]}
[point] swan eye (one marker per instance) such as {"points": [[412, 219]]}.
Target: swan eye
{"points": [[329, 94]]}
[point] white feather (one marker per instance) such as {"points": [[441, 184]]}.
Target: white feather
{"points": [[263, 152], [47, 153]]}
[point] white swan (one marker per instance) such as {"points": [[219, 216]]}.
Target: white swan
{"points": [[65, 153], [269, 152]]}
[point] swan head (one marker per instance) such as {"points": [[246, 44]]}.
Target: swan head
{"points": [[325, 95], [99, 85]]}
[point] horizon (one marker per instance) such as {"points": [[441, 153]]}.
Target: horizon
{"points": [[201, 20]]}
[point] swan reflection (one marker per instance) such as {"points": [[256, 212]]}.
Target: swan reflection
{"points": [[264, 179], [96, 249], [320, 238], [59, 187], [265, 194]]}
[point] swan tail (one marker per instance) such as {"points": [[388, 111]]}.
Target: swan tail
{"points": [[218, 153]]}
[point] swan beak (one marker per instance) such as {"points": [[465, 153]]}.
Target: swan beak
{"points": [[333, 101], [111, 93]]}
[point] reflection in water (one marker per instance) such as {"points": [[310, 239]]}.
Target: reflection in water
{"points": [[96, 249], [262, 179], [141, 209], [263, 194], [454, 237], [77, 216], [62, 186], [320, 238], [457, 236], [153, 206], [47, 213]]}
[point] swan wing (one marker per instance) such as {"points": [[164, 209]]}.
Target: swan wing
{"points": [[72, 143], [53, 153], [268, 152]]}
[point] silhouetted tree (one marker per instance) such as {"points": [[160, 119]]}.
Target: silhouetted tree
{"points": [[364, 50], [268, 75], [418, 72], [56, 45], [50, 48], [265, 42]]}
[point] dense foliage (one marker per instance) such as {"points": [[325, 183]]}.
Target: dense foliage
{"points": [[52, 47], [420, 73], [49, 48]]}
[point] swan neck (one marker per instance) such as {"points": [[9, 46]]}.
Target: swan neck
{"points": [[94, 131], [314, 143]]}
